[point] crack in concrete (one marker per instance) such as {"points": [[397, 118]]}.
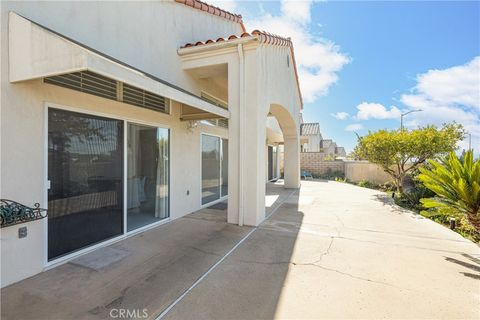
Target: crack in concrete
{"points": [[339, 220], [317, 265], [324, 253], [339, 236], [355, 277], [398, 245]]}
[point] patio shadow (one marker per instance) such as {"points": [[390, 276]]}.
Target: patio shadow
{"points": [[475, 266], [248, 284]]}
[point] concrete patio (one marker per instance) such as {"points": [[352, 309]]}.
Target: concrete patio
{"points": [[328, 250]]}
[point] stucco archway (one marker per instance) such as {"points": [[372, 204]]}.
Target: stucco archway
{"points": [[291, 141]]}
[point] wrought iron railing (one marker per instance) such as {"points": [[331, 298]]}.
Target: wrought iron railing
{"points": [[12, 213]]}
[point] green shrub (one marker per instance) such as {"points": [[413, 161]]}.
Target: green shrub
{"points": [[387, 187], [366, 184], [332, 175], [456, 183], [329, 157], [338, 179], [412, 200]]}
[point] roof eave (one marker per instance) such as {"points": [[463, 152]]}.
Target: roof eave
{"points": [[217, 45], [70, 56]]}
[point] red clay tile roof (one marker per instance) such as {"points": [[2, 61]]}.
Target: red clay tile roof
{"points": [[263, 37], [213, 10]]}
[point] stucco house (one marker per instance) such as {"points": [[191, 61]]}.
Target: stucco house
{"points": [[122, 116], [310, 137], [312, 141]]}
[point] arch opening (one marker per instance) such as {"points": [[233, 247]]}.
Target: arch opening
{"points": [[283, 136]]}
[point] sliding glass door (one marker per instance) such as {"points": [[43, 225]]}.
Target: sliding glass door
{"points": [[214, 168], [148, 175], [85, 169]]}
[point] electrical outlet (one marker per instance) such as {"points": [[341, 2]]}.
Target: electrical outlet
{"points": [[22, 232]]}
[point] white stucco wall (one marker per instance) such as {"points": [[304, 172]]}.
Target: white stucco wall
{"points": [[278, 84], [23, 162], [261, 83], [143, 34], [270, 87]]}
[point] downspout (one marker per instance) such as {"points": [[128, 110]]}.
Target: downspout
{"points": [[241, 167]]}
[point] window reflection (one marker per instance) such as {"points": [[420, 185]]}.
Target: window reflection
{"points": [[210, 168], [85, 169], [148, 175], [214, 168]]}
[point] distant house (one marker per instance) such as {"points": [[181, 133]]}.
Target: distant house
{"points": [[311, 137], [312, 141], [340, 152]]}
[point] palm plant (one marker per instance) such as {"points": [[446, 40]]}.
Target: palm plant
{"points": [[456, 184]]}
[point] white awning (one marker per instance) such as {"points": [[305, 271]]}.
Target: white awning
{"points": [[38, 52]]}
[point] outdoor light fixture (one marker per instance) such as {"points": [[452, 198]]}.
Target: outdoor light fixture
{"points": [[192, 124]]}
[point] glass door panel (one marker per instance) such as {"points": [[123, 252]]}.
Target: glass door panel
{"points": [[147, 175], [275, 162], [210, 168], [270, 163], [224, 167], [85, 169]]}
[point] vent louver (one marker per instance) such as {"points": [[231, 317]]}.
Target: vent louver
{"points": [[96, 84], [142, 98], [88, 82], [217, 122], [222, 123], [213, 122]]}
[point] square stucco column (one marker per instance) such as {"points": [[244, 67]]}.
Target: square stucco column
{"points": [[254, 173], [247, 136], [233, 143], [292, 162]]}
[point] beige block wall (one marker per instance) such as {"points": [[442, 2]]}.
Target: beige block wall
{"points": [[313, 163], [354, 171]]}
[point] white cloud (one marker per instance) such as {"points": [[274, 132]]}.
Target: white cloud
{"points": [[228, 5], [451, 94], [459, 85], [354, 127], [368, 110], [297, 10], [318, 59], [447, 95], [340, 115]]}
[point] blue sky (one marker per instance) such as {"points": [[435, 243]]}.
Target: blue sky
{"points": [[392, 56]]}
